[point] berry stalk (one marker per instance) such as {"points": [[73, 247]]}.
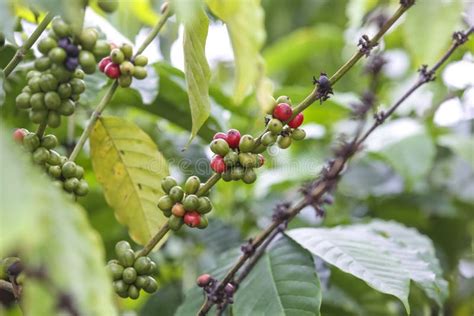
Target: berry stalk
{"points": [[154, 241], [21, 52]]}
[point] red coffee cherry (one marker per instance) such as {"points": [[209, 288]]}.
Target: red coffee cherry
{"points": [[218, 164], [112, 70], [19, 134], [104, 62], [204, 280], [233, 138], [221, 136], [283, 112], [192, 219], [296, 121]]}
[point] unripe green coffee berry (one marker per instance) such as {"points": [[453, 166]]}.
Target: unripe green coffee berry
{"points": [[152, 285], [260, 149], [129, 275], [139, 72], [249, 176], [247, 143], [77, 85], [26, 89], [167, 183], [283, 99], [140, 60], [87, 38], [142, 282], [40, 155], [54, 159], [60, 28], [32, 73], [237, 173], [54, 119], [175, 222], [108, 6], [55, 171], [126, 68], [37, 101], [121, 288], [101, 49], [219, 147], [284, 142], [176, 193], [49, 141], [69, 169], [87, 61], [127, 50], [125, 81], [82, 188], [298, 134], [117, 56], [61, 73], [246, 160], [165, 203], [38, 116], [142, 265], [226, 175], [52, 100], [57, 55], [64, 90], [67, 107], [46, 44], [153, 268], [79, 172], [23, 100], [79, 74], [71, 184], [133, 292], [31, 141], [34, 84], [191, 202], [204, 222], [48, 83], [275, 126], [121, 246], [231, 159], [42, 63], [75, 97], [115, 270], [192, 185], [205, 205], [126, 258]]}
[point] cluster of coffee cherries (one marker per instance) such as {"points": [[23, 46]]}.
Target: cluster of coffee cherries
{"points": [[67, 174], [57, 82], [209, 284], [131, 273], [280, 133], [123, 66], [183, 205], [236, 156]]}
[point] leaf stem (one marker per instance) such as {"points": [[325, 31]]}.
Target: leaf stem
{"points": [[154, 31], [154, 241], [23, 50]]}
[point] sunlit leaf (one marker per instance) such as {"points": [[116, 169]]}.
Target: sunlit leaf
{"points": [[129, 167], [462, 146]]}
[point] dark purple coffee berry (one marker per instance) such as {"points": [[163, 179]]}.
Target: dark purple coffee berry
{"points": [[72, 50], [71, 63], [64, 42]]}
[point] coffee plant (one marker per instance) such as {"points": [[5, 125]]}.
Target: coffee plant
{"points": [[347, 179]]}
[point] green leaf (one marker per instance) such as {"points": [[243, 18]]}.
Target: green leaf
{"points": [[129, 167], [460, 145], [245, 23], [385, 255], [441, 18], [7, 18], [2, 90], [284, 282], [46, 229], [196, 68]]}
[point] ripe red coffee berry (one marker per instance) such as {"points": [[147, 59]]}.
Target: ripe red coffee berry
{"points": [[283, 112], [218, 164], [233, 138], [112, 70], [192, 219], [220, 136], [204, 280], [19, 134], [104, 62], [296, 121]]}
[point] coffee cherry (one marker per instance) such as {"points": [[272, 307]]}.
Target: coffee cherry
{"points": [[69, 169], [192, 185], [117, 56], [139, 72], [67, 107], [204, 206], [220, 136], [71, 184], [49, 141], [64, 90], [60, 28], [19, 134], [82, 188], [125, 81], [283, 99], [246, 144], [141, 60], [71, 63], [60, 73], [191, 202], [121, 288], [31, 141], [55, 171], [203, 223], [40, 155], [178, 210], [32, 73], [126, 258], [237, 173], [249, 176], [112, 71], [23, 100], [54, 159], [176, 193], [121, 246], [42, 63], [229, 289], [296, 121], [104, 62], [246, 159], [167, 183], [153, 268], [38, 116], [233, 138], [218, 164], [142, 281], [220, 147], [127, 50], [192, 219], [275, 126], [115, 270], [72, 50], [165, 203], [204, 280], [52, 100], [57, 55], [226, 175], [152, 285], [260, 149], [129, 275], [87, 61], [175, 222], [101, 49], [54, 119], [48, 83], [46, 44], [284, 142], [108, 6], [142, 265], [126, 68], [79, 74], [231, 159], [78, 86], [298, 134], [64, 42], [283, 112], [261, 160], [87, 38], [34, 84], [133, 292]]}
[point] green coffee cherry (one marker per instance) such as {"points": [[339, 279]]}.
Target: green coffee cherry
{"points": [[37, 101], [40, 155], [67, 107], [126, 258], [69, 169], [60, 28], [153, 268], [34, 84], [87, 38], [167, 183], [52, 100], [283, 99], [71, 184], [259, 149], [121, 288], [127, 50], [117, 56], [165, 203], [101, 49], [142, 282], [31, 141], [191, 202], [125, 81], [49, 141], [126, 68], [48, 83], [115, 270], [249, 176], [247, 160], [79, 73], [108, 6], [175, 222], [121, 246], [237, 173], [54, 119], [77, 85], [32, 73], [192, 185], [79, 172], [38, 116], [87, 61], [152, 285], [64, 90], [203, 223], [139, 72], [82, 188], [42, 63], [205, 205], [142, 265], [220, 147], [133, 292], [247, 143], [298, 134], [23, 100], [61, 73], [275, 126], [176, 193], [140, 60], [284, 142], [57, 55], [231, 159], [55, 171], [129, 275], [46, 44], [226, 175], [54, 159]]}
